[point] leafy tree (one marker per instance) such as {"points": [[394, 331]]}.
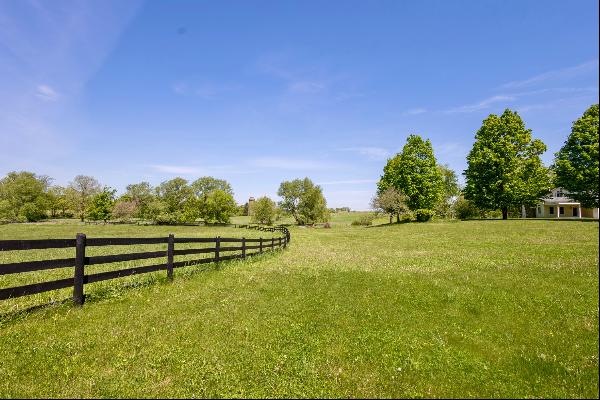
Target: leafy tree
{"points": [[174, 194], [465, 209], [264, 211], [504, 166], [391, 201], [57, 201], [80, 192], [219, 206], [142, 195], [576, 163], [303, 200], [450, 191], [124, 209], [313, 206], [207, 184], [415, 173], [100, 208], [25, 195]]}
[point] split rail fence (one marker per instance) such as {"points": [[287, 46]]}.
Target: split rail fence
{"points": [[247, 247]]}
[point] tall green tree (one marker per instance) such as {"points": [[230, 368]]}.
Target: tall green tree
{"points": [[303, 200], [576, 163], [504, 166], [206, 184], [24, 195], [219, 206], [101, 205], [174, 193], [141, 194], [264, 210], [450, 192], [80, 192], [415, 173]]}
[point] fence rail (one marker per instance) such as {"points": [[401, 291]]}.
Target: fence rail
{"points": [[81, 242]]}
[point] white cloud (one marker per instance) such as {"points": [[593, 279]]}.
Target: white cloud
{"points": [[306, 87], [373, 153], [414, 111], [178, 169], [481, 105], [558, 74], [180, 88], [46, 93], [349, 182], [293, 164]]}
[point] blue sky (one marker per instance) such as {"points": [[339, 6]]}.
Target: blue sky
{"points": [[257, 92]]}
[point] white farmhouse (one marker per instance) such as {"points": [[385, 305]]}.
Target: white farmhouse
{"points": [[558, 204]]}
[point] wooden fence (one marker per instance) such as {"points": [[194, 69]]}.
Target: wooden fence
{"points": [[81, 242]]}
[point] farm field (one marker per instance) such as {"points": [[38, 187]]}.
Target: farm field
{"points": [[440, 309]]}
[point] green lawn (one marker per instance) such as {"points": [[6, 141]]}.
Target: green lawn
{"points": [[441, 309]]}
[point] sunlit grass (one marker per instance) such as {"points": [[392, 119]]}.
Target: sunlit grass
{"points": [[461, 309]]}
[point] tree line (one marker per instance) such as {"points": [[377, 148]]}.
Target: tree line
{"points": [[504, 172], [27, 197]]}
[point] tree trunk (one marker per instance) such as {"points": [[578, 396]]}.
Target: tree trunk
{"points": [[504, 212], [391, 216], [397, 218]]}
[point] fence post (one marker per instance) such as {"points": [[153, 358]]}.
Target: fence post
{"points": [[279, 245], [261, 250], [217, 248], [78, 296], [272, 244], [170, 254], [243, 247]]}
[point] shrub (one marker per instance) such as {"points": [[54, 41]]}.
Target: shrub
{"points": [[465, 209], [32, 212], [406, 217], [363, 220], [424, 215]]}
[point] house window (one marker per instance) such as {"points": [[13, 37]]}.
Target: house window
{"points": [[559, 193], [574, 212], [539, 210], [551, 210], [561, 210]]}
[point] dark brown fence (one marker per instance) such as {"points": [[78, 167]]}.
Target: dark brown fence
{"points": [[246, 247]]}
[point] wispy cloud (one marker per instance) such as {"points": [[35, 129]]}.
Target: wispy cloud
{"points": [[558, 74], [414, 111], [46, 93], [296, 164], [487, 103], [373, 153], [306, 87], [204, 90], [349, 182], [178, 169]]}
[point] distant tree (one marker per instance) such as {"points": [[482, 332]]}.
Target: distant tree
{"points": [[303, 200], [415, 173], [450, 191], [100, 208], [576, 163], [80, 192], [390, 201], [142, 195], [504, 166], [264, 211], [57, 201], [25, 195], [207, 184], [174, 194], [219, 206], [465, 209], [124, 209], [313, 206]]}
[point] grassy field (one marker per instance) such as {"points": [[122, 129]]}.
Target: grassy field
{"points": [[441, 309]]}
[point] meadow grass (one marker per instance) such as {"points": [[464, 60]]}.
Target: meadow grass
{"points": [[439, 309]]}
